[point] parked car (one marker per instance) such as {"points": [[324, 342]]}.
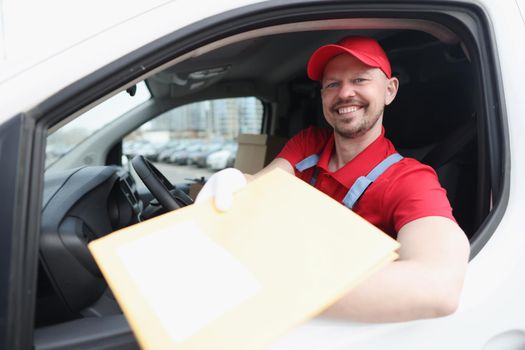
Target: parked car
{"points": [[199, 157], [460, 109], [181, 157], [132, 149], [162, 148], [167, 151], [223, 158]]}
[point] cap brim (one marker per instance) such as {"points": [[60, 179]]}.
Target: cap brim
{"points": [[321, 56]]}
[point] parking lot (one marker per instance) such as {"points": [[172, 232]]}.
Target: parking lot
{"points": [[183, 173]]}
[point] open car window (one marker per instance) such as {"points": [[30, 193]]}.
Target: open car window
{"points": [[195, 140]]}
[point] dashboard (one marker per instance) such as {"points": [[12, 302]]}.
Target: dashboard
{"points": [[80, 205]]}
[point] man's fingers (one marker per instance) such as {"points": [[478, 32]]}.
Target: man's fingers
{"points": [[205, 193], [222, 185], [223, 198]]}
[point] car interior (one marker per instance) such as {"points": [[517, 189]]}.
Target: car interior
{"points": [[437, 118]]}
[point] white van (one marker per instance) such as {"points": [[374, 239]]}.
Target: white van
{"points": [[83, 86]]}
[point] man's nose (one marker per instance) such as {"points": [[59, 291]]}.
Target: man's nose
{"points": [[347, 89]]}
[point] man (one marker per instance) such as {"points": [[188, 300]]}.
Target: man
{"points": [[357, 166]]}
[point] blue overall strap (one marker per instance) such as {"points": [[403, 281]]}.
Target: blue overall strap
{"points": [[307, 163], [362, 183]]}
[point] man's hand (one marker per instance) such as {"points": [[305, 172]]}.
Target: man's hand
{"points": [[221, 186]]}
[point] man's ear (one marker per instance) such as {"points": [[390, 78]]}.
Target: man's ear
{"points": [[391, 90]]}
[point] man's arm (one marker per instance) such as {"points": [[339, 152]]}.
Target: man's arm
{"points": [[425, 281], [280, 163]]}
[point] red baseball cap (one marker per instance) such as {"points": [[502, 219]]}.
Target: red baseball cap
{"points": [[366, 50]]}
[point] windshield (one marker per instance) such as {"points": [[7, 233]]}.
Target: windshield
{"points": [[72, 134]]}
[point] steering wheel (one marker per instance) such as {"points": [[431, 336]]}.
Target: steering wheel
{"points": [[169, 196]]}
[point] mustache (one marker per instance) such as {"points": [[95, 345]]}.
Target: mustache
{"points": [[348, 101]]}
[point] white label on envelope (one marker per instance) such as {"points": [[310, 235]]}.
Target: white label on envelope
{"points": [[188, 279]]}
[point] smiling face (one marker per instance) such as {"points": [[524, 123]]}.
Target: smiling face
{"points": [[354, 96]]}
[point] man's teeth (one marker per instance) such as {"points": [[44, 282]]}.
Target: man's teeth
{"points": [[344, 110]]}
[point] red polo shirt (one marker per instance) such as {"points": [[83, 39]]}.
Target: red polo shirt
{"points": [[406, 191]]}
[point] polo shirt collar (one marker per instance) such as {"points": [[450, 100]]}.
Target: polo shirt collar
{"points": [[362, 164]]}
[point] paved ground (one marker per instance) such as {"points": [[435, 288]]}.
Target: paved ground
{"points": [[177, 174], [181, 173]]}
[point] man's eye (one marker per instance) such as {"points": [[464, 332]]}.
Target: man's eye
{"points": [[332, 85], [360, 80]]}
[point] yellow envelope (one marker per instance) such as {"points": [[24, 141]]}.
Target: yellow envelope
{"points": [[195, 278]]}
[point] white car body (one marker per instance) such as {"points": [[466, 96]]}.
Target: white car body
{"points": [[44, 53], [218, 160]]}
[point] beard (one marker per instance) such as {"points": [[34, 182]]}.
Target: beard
{"points": [[364, 125], [354, 127]]}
